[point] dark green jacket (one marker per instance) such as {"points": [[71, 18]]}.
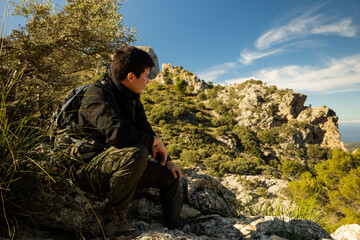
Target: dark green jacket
{"points": [[113, 115]]}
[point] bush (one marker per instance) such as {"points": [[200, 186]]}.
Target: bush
{"points": [[180, 86], [267, 136], [221, 130], [315, 151], [247, 140], [190, 157], [174, 150], [200, 117], [180, 113], [291, 168], [201, 96]]}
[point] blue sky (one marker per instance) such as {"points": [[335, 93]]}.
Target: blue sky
{"points": [[311, 47]]}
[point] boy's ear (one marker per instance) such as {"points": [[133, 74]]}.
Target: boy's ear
{"points": [[131, 76]]}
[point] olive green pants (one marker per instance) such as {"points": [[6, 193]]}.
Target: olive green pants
{"points": [[117, 173]]}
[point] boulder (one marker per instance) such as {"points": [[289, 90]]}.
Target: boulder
{"points": [[347, 232], [209, 196]]}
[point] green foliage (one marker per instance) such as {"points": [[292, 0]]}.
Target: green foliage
{"points": [[19, 172], [222, 164], [201, 96], [159, 113], [180, 112], [180, 85], [221, 130], [252, 81], [174, 150], [315, 151], [58, 44], [268, 136], [190, 157], [336, 187], [247, 140], [250, 185], [291, 168]]}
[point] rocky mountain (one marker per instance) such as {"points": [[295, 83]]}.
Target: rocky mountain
{"points": [[260, 107], [246, 118]]}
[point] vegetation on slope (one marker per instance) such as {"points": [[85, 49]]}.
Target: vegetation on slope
{"points": [[200, 129]]}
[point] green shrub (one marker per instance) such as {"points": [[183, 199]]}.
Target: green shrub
{"points": [[201, 96], [174, 149], [247, 140], [291, 168], [200, 105], [200, 117], [190, 157], [180, 113], [180, 85], [336, 188], [221, 130], [315, 151]]}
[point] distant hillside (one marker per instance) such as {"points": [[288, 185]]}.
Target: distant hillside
{"points": [[241, 128], [352, 146]]}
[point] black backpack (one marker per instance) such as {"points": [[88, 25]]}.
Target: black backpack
{"points": [[66, 114], [63, 125]]}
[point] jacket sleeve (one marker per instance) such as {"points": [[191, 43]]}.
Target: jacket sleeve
{"points": [[96, 109], [141, 120]]}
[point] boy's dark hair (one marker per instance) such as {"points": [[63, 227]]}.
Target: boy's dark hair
{"points": [[130, 59]]}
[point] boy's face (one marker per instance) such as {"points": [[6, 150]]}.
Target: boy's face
{"points": [[138, 84]]}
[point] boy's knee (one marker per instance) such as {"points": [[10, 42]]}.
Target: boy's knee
{"points": [[140, 156]]}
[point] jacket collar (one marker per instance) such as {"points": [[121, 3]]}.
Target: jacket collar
{"points": [[121, 88]]}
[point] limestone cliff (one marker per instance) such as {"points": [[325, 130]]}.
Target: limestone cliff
{"points": [[170, 74], [262, 107]]}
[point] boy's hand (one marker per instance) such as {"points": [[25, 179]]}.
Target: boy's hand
{"points": [[174, 169], [159, 147]]}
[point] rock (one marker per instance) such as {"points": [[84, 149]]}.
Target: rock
{"points": [[274, 237], [227, 141], [217, 227], [188, 212], [326, 131], [167, 235], [67, 208], [347, 232], [256, 227], [209, 196], [170, 74], [155, 70]]}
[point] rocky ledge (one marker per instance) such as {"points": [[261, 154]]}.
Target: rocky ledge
{"points": [[210, 212]]}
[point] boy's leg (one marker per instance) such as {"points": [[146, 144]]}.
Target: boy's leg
{"points": [[158, 176], [114, 171]]}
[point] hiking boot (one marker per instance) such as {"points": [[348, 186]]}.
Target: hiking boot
{"points": [[118, 227]]}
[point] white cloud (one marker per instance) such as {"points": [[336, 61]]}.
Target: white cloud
{"points": [[295, 31], [305, 25], [214, 72], [297, 28], [341, 75], [247, 57], [342, 28]]}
